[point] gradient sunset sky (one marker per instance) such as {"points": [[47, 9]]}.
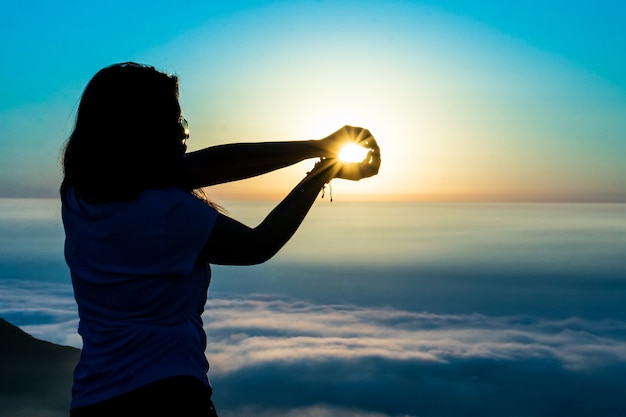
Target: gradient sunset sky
{"points": [[485, 100]]}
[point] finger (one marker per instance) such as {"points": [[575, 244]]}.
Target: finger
{"points": [[371, 164], [367, 171], [362, 137], [373, 157], [372, 144], [376, 159]]}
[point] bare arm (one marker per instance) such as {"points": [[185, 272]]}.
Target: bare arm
{"points": [[225, 163], [232, 162], [232, 243]]}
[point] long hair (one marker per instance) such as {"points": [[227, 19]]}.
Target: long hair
{"points": [[127, 136]]}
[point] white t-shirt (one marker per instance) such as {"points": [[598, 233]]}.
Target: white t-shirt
{"points": [[139, 288]]}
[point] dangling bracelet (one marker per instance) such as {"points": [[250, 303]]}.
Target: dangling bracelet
{"points": [[330, 185]]}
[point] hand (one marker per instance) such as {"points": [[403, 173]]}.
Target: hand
{"points": [[368, 167], [332, 144], [334, 168]]}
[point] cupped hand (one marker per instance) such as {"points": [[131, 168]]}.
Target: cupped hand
{"points": [[332, 144], [354, 171], [368, 167]]}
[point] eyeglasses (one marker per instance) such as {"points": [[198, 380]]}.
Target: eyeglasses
{"points": [[185, 127]]}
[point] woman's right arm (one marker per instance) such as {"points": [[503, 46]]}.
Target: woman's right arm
{"points": [[233, 243]]}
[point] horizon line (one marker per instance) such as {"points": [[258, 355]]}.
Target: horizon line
{"points": [[391, 198]]}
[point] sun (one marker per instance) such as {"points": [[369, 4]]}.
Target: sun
{"points": [[352, 153]]}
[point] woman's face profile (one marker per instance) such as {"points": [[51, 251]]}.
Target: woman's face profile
{"points": [[183, 127]]}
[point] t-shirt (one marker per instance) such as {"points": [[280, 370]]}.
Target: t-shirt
{"points": [[139, 288]]}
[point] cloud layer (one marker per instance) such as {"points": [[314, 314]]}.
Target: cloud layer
{"points": [[250, 331], [286, 354], [279, 356]]}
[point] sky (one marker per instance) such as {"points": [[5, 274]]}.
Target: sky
{"points": [[469, 101]]}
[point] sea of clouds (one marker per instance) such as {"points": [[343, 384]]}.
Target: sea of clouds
{"points": [[280, 356]]}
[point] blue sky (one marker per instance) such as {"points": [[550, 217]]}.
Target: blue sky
{"points": [[469, 100]]}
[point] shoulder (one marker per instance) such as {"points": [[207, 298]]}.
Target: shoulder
{"points": [[179, 209], [170, 194], [150, 208], [165, 200]]}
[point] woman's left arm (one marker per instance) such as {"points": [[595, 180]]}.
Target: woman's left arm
{"points": [[237, 161], [232, 162]]}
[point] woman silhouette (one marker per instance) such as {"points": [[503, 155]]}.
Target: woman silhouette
{"points": [[139, 238]]}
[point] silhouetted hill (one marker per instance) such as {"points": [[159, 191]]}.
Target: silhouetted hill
{"points": [[36, 376]]}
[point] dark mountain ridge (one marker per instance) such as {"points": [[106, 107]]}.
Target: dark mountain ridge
{"points": [[36, 376]]}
